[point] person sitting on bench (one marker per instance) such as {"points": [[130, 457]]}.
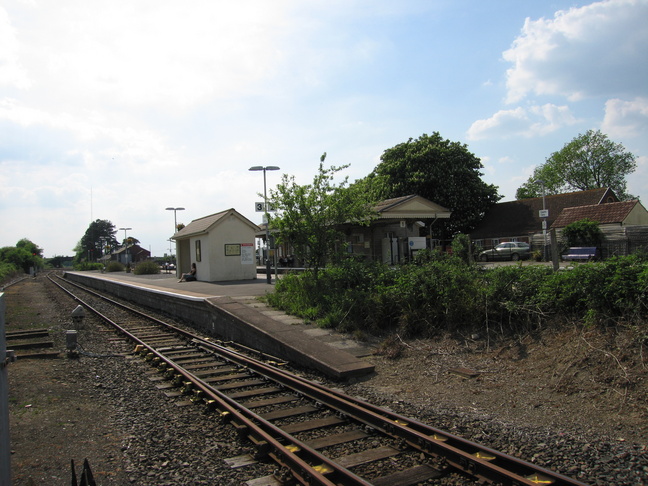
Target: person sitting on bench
{"points": [[189, 277]]}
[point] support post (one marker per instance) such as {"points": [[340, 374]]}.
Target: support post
{"points": [[5, 451], [555, 258]]}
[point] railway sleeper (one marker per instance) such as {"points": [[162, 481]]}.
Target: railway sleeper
{"points": [[261, 447]]}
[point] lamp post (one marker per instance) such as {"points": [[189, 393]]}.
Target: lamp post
{"points": [[175, 219], [175, 224], [265, 208], [126, 241]]}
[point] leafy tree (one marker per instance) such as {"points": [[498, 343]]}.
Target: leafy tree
{"points": [[30, 246], [24, 255], [442, 171], [582, 233], [99, 236], [130, 241], [307, 216], [589, 161]]}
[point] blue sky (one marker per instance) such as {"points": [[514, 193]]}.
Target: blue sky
{"points": [[118, 109]]}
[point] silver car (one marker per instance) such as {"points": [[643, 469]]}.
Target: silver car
{"points": [[511, 250]]}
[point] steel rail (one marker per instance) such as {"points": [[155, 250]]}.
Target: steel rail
{"points": [[469, 457], [306, 464]]}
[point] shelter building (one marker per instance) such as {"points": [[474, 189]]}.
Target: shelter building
{"points": [[221, 245], [401, 227]]}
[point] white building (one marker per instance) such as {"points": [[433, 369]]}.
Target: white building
{"points": [[221, 245]]}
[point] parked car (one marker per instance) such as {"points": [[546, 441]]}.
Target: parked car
{"points": [[511, 250]]}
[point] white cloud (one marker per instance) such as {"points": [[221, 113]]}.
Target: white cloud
{"points": [[595, 50], [526, 122], [144, 52], [11, 71], [626, 118]]}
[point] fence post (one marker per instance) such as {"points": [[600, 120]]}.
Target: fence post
{"points": [[5, 454], [555, 258]]}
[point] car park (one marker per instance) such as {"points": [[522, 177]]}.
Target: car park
{"points": [[511, 250]]}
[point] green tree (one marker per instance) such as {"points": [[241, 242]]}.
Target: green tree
{"points": [[442, 171], [308, 216], [582, 233], [23, 256], [130, 241], [589, 161], [30, 246], [98, 238]]}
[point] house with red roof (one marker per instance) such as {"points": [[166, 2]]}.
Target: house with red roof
{"points": [[624, 224], [527, 220]]}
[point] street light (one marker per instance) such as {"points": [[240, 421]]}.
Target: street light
{"points": [[126, 241], [175, 219], [265, 208], [175, 227]]}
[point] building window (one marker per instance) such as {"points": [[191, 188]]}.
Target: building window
{"points": [[198, 252]]}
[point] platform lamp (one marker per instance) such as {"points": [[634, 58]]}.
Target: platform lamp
{"points": [[175, 220], [126, 241], [265, 208]]}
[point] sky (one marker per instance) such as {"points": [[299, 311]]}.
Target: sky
{"points": [[116, 110]]}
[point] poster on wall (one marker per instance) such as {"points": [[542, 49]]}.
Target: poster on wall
{"points": [[247, 253]]}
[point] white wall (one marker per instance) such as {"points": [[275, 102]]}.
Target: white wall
{"points": [[231, 231]]}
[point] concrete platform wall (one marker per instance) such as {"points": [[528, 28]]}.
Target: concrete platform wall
{"points": [[186, 308], [224, 318]]}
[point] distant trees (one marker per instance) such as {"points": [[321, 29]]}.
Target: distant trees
{"points": [[22, 257], [98, 238], [442, 171], [589, 161]]}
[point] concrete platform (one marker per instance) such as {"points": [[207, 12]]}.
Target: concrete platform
{"points": [[232, 311]]}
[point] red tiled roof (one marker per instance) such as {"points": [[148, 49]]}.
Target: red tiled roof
{"points": [[521, 217], [602, 213]]}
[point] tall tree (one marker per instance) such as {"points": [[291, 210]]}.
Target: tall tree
{"points": [[442, 171], [589, 161], [98, 239], [307, 215]]}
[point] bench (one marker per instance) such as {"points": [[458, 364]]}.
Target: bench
{"points": [[581, 253]]}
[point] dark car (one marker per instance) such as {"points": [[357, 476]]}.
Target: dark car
{"points": [[511, 250]]}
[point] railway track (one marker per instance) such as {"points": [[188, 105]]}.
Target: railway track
{"points": [[315, 435]]}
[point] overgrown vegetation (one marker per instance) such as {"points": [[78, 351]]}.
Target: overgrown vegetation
{"points": [[115, 267], [8, 272], [85, 266], [441, 293], [582, 233], [20, 259], [148, 267], [308, 216]]}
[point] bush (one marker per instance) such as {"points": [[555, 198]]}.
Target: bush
{"points": [[582, 233], [446, 294], [8, 271], [148, 267], [461, 247], [115, 267], [85, 266]]}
